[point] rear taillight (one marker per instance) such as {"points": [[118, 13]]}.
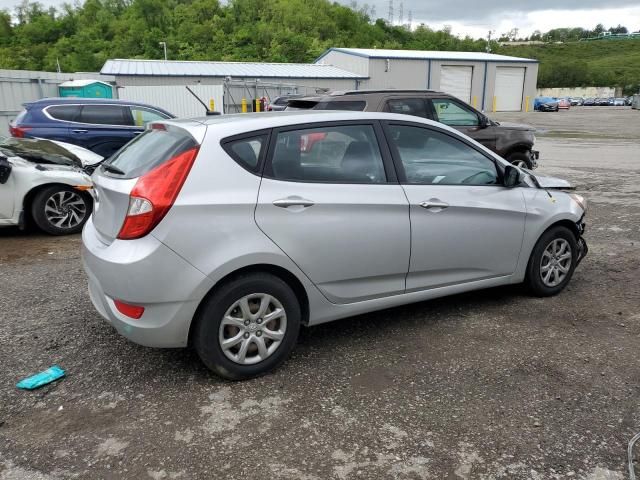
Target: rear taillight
{"points": [[153, 195], [131, 311], [18, 132]]}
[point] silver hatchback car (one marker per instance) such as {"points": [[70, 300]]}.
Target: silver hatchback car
{"points": [[229, 233]]}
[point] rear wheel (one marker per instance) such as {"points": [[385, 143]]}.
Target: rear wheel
{"points": [[248, 327], [60, 210], [552, 262], [520, 159]]}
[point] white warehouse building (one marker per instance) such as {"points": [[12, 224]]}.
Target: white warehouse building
{"points": [[487, 81]]}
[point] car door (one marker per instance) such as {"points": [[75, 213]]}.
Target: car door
{"points": [[465, 225], [463, 118], [103, 128], [330, 200]]}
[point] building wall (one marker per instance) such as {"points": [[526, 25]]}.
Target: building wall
{"points": [[348, 62], [396, 73], [598, 92]]}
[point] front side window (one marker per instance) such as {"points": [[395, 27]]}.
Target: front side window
{"points": [[430, 157], [454, 113], [104, 115], [334, 154], [141, 116], [408, 106], [246, 151]]}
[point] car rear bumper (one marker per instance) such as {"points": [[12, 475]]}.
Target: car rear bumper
{"points": [[145, 273]]}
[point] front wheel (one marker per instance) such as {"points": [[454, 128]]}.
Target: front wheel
{"points": [[552, 262], [248, 327], [520, 159], [60, 210]]}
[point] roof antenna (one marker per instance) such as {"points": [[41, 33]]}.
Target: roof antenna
{"points": [[206, 107]]}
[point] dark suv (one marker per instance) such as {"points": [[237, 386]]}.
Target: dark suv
{"points": [[511, 141], [102, 126]]}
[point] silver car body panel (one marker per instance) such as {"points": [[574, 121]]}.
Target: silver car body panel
{"points": [[350, 251]]}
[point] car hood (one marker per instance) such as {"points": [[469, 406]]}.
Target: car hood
{"points": [[517, 126], [546, 181], [38, 150]]}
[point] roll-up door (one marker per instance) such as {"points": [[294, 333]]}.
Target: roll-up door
{"points": [[456, 81], [509, 87]]}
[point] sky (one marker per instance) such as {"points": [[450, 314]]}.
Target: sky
{"points": [[477, 17]]}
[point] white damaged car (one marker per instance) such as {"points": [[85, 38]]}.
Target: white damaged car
{"points": [[47, 183]]}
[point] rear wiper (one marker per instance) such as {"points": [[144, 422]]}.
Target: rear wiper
{"points": [[112, 169]]}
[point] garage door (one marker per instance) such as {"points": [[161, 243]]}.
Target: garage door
{"points": [[509, 87], [456, 81]]}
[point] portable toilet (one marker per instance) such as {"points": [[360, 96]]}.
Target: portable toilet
{"points": [[85, 89]]}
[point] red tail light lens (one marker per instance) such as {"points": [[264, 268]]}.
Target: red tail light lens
{"points": [[18, 132], [154, 194], [131, 311]]}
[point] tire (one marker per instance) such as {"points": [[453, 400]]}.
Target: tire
{"points": [[210, 331], [60, 210], [536, 272], [520, 159]]}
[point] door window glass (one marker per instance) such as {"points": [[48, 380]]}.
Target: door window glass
{"points": [[335, 154], [408, 106], [141, 116], [64, 112], [352, 106], [430, 157], [104, 115], [453, 113]]}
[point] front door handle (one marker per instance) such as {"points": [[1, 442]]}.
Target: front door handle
{"points": [[293, 201], [434, 205], [79, 131]]}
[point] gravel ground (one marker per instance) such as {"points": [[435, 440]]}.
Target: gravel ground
{"points": [[486, 385]]}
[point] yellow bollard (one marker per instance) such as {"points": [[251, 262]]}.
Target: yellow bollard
{"points": [[495, 100], [243, 105], [257, 104], [475, 102], [139, 120], [526, 104], [212, 105]]}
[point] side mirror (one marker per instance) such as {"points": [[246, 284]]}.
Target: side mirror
{"points": [[484, 122], [511, 176]]}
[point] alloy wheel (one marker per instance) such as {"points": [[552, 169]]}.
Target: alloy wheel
{"points": [[65, 209], [555, 263], [252, 329]]}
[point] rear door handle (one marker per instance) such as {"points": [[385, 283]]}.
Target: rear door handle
{"points": [[79, 131], [294, 201], [138, 132], [435, 205]]}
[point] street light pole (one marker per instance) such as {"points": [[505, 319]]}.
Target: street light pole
{"points": [[164, 47]]}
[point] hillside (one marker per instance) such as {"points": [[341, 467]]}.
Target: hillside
{"points": [[600, 63]]}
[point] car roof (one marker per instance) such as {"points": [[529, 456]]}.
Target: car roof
{"points": [[329, 96], [43, 102]]}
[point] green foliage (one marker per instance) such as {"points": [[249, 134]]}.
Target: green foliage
{"points": [[83, 36], [602, 63]]}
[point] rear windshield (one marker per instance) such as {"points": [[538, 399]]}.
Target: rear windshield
{"points": [[23, 117], [150, 149]]}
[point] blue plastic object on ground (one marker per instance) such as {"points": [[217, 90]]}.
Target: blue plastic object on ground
{"points": [[51, 374]]}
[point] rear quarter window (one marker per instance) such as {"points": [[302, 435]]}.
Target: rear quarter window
{"points": [[246, 151], [151, 149]]}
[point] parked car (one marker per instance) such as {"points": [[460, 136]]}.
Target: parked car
{"points": [[46, 182], [280, 103], [619, 102], [576, 101], [564, 104], [628, 101], [602, 102], [546, 104], [231, 236], [510, 140], [99, 125], [589, 102]]}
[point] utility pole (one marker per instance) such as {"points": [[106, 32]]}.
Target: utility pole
{"points": [[410, 20], [390, 18], [401, 13], [489, 41], [164, 47]]}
